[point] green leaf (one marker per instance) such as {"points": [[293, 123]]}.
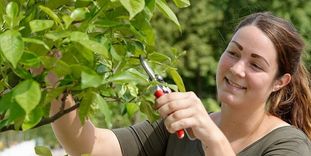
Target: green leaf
{"points": [[78, 14], [83, 39], [30, 59], [147, 109], [5, 102], [12, 46], [90, 79], [132, 88], [177, 79], [166, 10], [96, 47], [91, 98], [57, 35], [52, 94], [17, 114], [182, 3], [61, 68], [142, 24], [2, 10], [67, 20], [27, 94], [131, 109], [36, 41], [133, 6], [43, 151], [12, 10], [78, 36], [100, 101], [128, 76], [53, 15], [155, 56], [32, 119], [39, 25]]}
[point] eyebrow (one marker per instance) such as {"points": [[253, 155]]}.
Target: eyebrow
{"points": [[260, 57], [238, 44], [252, 55]]}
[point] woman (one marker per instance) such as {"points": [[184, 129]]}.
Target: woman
{"points": [[264, 90]]}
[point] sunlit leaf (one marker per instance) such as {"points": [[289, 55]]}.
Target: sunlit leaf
{"points": [[166, 10], [30, 59], [131, 109], [105, 109], [182, 3], [32, 118], [57, 35], [43, 151], [85, 105], [12, 10], [128, 76], [177, 79], [84, 40], [133, 6], [90, 79], [53, 15], [160, 57], [12, 46], [39, 25], [36, 41], [27, 94]]}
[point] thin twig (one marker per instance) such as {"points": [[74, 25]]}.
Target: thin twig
{"points": [[45, 121]]}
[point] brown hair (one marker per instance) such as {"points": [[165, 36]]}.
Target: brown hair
{"points": [[292, 103]]}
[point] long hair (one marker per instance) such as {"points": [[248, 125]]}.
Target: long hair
{"points": [[292, 103]]}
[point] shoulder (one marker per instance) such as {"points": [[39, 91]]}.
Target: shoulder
{"points": [[286, 140], [286, 132]]}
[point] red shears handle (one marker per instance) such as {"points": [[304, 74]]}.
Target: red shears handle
{"points": [[158, 93]]}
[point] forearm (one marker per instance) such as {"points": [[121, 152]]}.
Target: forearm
{"points": [[218, 147], [69, 131], [217, 144]]}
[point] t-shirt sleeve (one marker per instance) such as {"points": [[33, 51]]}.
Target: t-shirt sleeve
{"points": [[295, 144], [143, 139]]}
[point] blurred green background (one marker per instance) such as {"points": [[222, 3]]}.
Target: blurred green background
{"points": [[207, 27]]}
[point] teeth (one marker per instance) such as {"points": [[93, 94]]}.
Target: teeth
{"points": [[234, 84]]}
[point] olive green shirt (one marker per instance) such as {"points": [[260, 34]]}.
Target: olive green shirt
{"points": [[152, 139]]}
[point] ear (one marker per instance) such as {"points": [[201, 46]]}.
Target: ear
{"points": [[281, 82]]}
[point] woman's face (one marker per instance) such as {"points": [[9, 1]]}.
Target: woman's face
{"points": [[247, 69]]}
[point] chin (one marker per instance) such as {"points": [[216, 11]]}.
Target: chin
{"points": [[229, 100]]}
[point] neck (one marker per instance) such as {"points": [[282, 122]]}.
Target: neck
{"points": [[238, 123]]}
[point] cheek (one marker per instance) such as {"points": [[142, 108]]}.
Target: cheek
{"points": [[261, 83], [224, 65]]}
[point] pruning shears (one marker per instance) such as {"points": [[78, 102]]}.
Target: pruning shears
{"points": [[161, 90]]}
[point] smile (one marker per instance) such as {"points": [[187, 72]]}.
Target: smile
{"points": [[233, 84]]}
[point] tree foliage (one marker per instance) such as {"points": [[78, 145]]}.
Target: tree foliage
{"points": [[87, 48]]}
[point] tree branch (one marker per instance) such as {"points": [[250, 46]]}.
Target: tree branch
{"points": [[45, 121]]}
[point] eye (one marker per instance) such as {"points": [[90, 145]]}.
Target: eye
{"points": [[256, 66], [233, 54]]}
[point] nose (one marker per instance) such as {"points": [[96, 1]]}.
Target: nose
{"points": [[238, 68]]}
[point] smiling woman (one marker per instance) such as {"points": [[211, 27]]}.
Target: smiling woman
{"points": [[265, 94]]}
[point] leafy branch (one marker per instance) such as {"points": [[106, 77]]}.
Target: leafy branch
{"points": [[90, 47]]}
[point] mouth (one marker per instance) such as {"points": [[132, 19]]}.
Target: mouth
{"points": [[233, 84]]}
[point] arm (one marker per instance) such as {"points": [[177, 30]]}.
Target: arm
{"points": [[184, 111], [79, 139]]}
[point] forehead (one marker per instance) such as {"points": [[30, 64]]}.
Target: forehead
{"points": [[254, 41]]}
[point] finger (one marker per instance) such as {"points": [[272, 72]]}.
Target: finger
{"points": [[184, 123], [179, 115], [173, 106], [170, 97]]}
